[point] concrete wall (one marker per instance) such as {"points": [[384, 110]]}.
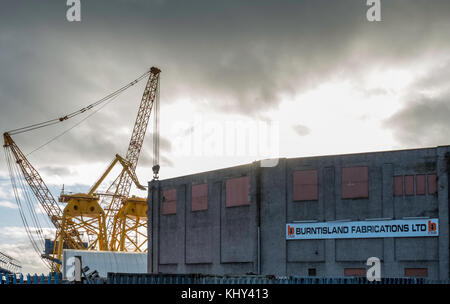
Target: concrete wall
{"points": [[218, 240], [224, 240]]}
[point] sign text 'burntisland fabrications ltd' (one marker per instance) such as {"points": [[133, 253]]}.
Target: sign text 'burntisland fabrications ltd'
{"points": [[363, 229]]}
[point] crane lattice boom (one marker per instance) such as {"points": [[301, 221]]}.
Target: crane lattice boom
{"points": [[67, 234], [36, 182], [132, 156]]}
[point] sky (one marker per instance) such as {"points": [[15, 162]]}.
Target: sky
{"points": [[241, 81]]}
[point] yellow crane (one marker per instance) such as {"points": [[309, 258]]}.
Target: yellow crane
{"points": [[83, 223], [70, 234], [127, 219]]}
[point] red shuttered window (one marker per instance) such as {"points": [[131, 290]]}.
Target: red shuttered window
{"points": [[199, 197], [420, 184], [355, 182], [305, 185], [354, 272], [416, 272], [432, 183], [398, 185], [237, 191], [409, 184], [169, 204]]}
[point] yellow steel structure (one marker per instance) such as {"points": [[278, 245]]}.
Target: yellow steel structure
{"points": [[86, 222], [115, 223], [132, 220], [83, 213]]}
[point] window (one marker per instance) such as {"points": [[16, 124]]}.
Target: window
{"points": [[354, 272], [355, 182], [420, 184], [416, 272], [398, 185], [305, 185], [199, 197], [169, 201], [237, 191], [409, 184], [432, 183], [312, 272]]}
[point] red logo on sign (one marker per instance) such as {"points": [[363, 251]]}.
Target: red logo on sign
{"points": [[291, 231], [431, 226]]}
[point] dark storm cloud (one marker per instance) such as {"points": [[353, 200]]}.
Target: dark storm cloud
{"points": [[424, 118], [423, 122], [234, 56], [96, 140], [437, 78]]}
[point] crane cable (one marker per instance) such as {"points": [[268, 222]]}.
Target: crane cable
{"points": [[75, 125], [75, 113], [38, 245]]}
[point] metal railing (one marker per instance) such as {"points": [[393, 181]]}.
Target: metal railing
{"points": [[143, 278], [139, 278]]}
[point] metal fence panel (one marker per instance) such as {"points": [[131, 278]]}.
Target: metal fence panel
{"points": [[139, 278]]}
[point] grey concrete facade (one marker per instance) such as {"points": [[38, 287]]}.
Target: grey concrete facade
{"points": [[252, 238]]}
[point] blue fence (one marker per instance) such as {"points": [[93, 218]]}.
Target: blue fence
{"points": [[139, 278], [142, 278], [51, 278]]}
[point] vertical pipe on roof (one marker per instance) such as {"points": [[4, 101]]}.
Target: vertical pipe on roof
{"points": [[257, 172]]}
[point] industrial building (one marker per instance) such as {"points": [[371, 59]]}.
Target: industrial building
{"points": [[279, 219]]}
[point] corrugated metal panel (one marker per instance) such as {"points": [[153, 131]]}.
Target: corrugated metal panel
{"points": [[354, 272], [237, 191], [416, 272], [398, 185], [355, 182], [432, 183], [107, 261], [409, 184], [199, 197], [305, 186], [169, 204], [420, 184]]}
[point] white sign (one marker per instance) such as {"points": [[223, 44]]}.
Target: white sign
{"points": [[362, 229]]}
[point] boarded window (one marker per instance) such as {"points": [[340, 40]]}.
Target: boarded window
{"points": [[432, 183], [398, 185], [420, 184], [354, 272], [169, 203], [199, 197], [237, 192], [416, 272], [305, 185], [409, 184], [355, 182]]}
